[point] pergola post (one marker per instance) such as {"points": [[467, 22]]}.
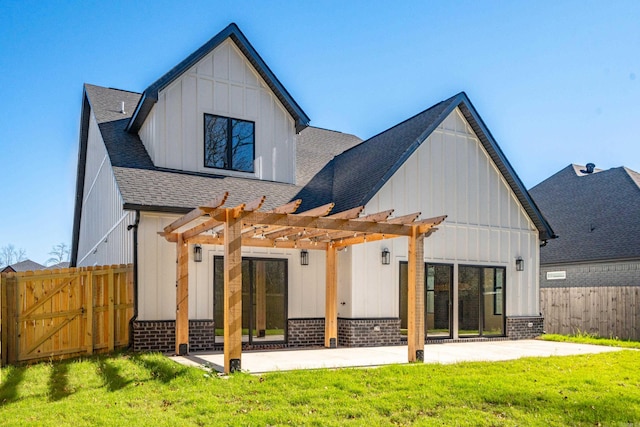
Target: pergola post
{"points": [[261, 300], [232, 292], [182, 296], [415, 297], [331, 301]]}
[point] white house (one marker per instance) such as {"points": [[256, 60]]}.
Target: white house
{"points": [[220, 121]]}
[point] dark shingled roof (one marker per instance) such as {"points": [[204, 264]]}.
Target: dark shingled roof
{"points": [[355, 176], [150, 95], [597, 216]]}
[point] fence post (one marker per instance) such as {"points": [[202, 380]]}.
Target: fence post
{"points": [[11, 324], [4, 320], [89, 303], [110, 296]]}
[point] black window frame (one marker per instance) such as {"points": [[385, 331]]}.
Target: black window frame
{"points": [[481, 307], [402, 307], [229, 143], [498, 309]]}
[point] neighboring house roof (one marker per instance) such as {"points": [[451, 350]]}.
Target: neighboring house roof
{"points": [[150, 95], [355, 176], [26, 265], [62, 264], [146, 187], [597, 215]]}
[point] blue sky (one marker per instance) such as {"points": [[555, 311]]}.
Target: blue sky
{"points": [[556, 82]]}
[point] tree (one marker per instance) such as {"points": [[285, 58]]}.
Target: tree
{"points": [[59, 253], [10, 255]]}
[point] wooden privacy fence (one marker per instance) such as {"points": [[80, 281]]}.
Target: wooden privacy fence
{"points": [[64, 313], [608, 311]]}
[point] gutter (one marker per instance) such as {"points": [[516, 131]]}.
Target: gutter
{"points": [[134, 226]]}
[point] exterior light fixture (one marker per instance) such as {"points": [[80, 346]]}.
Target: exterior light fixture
{"points": [[197, 253], [519, 264], [386, 257], [304, 257]]}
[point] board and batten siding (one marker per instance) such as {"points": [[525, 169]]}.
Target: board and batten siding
{"points": [[449, 174], [104, 238], [157, 275], [223, 83]]}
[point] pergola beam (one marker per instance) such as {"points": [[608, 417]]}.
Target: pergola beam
{"points": [[328, 224], [262, 243], [196, 213]]}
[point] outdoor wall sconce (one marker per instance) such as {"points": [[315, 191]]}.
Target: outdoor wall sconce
{"points": [[386, 257], [197, 253], [304, 257], [519, 264]]}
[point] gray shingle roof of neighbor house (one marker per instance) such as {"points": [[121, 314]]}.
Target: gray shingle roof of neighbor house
{"points": [[26, 265], [63, 264], [150, 95], [597, 215], [352, 178]]}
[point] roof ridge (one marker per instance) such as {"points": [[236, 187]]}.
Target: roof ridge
{"points": [[333, 130]]}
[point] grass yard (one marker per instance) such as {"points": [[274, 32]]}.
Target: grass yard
{"points": [[149, 389], [585, 338]]}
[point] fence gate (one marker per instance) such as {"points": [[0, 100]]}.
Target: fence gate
{"points": [[61, 313]]}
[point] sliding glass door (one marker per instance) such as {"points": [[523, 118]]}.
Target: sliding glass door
{"points": [[438, 291], [264, 300], [481, 301]]}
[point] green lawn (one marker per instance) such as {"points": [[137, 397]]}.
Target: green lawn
{"points": [[149, 389], [584, 338]]}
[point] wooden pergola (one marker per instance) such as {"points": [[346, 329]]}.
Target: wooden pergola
{"points": [[245, 225]]}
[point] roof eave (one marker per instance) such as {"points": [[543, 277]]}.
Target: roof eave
{"points": [[82, 157], [492, 147], [157, 208]]}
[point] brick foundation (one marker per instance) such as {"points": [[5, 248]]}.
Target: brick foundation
{"points": [[368, 332], [306, 332], [160, 335], [520, 328]]}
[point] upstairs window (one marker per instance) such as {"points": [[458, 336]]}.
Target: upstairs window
{"points": [[228, 143]]}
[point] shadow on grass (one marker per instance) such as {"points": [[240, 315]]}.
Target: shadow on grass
{"points": [[10, 382], [113, 381], [160, 368], [59, 381]]}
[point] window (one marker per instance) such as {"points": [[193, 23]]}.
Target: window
{"points": [[228, 143]]}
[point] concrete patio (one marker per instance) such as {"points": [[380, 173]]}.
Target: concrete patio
{"points": [[288, 360]]}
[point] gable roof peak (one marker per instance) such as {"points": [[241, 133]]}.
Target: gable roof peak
{"points": [[232, 31], [354, 177]]}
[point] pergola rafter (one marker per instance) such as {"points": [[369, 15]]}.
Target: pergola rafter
{"points": [[245, 225]]}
